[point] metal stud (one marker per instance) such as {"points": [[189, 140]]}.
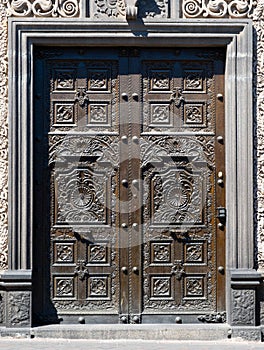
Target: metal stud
{"points": [[124, 225], [124, 182], [220, 182], [124, 269], [221, 269], [135, 182], [124, 138], [124, 96], [135, 225], [220, 96], [135, 319], [135, 139], [221, 226], [135, 269], [178, 319], [220, 139]]}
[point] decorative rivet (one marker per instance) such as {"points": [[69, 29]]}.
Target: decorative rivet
{"points": [[81, 320], [124, 225], [135, 139], [178, 319], [124, 96], [220, 96], [220, 139], [220, 175], [124, 182], [123, 319], [221, 226], [135, 225], [124, 269], [135, 269], [124, 138], [135, 319], [220, 182], [135, 96], [221, 269], [135, 182]]}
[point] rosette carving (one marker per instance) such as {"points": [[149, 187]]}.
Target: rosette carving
{"points": [[217, 8], [42, 8]]}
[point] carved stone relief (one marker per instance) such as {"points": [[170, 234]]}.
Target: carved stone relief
{"points": [[243, 307], [19, 308]]}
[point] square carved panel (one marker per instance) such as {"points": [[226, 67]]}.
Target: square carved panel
{"points": [[194, 286], [98, 287], [63, 253], [195, 115], [161, 287], [64, 79], [160, 252], [64, 287], [64, 113], [98, 80], [98, 253], [193, 80]]}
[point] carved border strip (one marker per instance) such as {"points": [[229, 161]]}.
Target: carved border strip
{"points": [[217, 8], [3, 139]]}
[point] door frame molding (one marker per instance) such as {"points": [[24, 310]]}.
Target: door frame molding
{"points": [[235, 36]]}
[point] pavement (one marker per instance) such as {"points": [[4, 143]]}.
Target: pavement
{"points": [[65, 344]]}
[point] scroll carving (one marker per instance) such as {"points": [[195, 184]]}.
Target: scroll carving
{"points": [[42, 8], [217, 8]]}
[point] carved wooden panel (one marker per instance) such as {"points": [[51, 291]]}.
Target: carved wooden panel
{"points": [[179, 164], [131, 165], [177, 95]]}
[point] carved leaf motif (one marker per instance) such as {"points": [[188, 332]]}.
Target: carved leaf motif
{"points": [[110, 8]]}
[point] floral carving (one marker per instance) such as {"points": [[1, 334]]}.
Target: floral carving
{"points": [[42, 8], [110, 8], [64, 287], [217, 8]]}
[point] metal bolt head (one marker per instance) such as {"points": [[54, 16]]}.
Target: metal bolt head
{"points": [[178, 319], [81, 320]]}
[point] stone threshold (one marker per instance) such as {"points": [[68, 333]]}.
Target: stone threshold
{"points": [[120, 331]]}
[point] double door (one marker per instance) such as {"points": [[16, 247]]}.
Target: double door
{"points": [[129, 185]]}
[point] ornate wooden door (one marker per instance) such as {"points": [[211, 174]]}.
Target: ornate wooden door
{"points": [[129, 185]]}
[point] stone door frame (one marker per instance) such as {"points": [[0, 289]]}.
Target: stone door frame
{"points": [[236, 37]]}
